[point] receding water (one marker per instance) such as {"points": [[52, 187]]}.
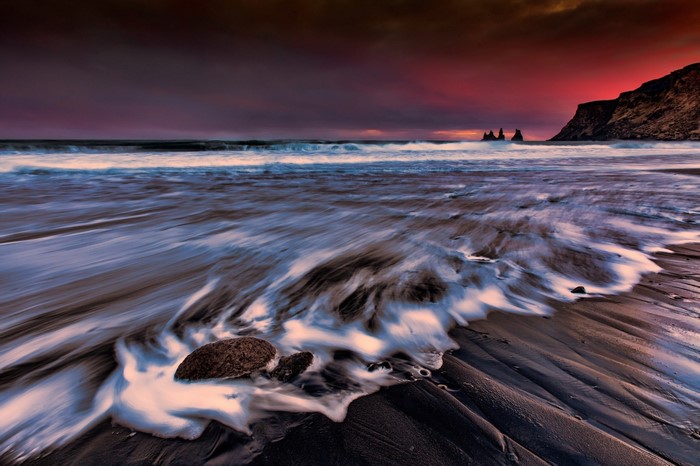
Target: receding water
{"points": [[115, 264]]}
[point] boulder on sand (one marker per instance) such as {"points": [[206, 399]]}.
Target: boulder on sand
{"points": [[240, 357], [234, 358]]}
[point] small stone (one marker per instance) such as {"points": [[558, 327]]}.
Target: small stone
{"points": [[379, 365], [234, 358], [579, 290], [291, 366]]}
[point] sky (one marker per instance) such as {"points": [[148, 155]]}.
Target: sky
{"points": [[327, 69]]}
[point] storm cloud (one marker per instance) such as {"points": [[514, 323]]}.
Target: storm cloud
{"points": [[328, 69]]}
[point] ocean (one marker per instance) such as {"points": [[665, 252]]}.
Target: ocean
{"points": [[117, 259]]}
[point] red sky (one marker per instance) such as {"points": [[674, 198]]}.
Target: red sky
{"points": [[394, 69]]}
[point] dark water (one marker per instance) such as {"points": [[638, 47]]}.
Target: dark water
{"points": [[115, 264]]}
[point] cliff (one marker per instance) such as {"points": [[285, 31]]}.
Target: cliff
{"points": [[667, 108]]}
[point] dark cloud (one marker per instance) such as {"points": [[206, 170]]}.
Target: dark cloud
{"points": [[307, 68]]}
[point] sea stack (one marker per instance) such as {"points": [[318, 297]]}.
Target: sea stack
{"points": [[489, 137], [666, 109], [501, 136]]}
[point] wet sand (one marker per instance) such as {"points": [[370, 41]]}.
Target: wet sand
{"points": [[605, 380], [682, 171]]}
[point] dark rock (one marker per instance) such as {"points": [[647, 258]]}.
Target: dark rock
{"points": [[501, 136], [234, 358], [291, 366], [667, 108], [518, 136], [579, 290], [379, 365], [489, 137]]}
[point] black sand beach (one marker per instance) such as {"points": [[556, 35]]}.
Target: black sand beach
{"points": [[605, 380]]}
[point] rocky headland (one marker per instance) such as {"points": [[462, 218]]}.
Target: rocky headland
{"points": [[665, 109]]}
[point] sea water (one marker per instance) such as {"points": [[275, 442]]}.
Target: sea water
{"points": [[119, 259]]}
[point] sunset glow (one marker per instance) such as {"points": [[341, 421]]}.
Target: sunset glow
{"points": [[468, 134], [308, 69]]}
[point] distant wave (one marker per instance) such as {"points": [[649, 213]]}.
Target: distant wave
{"points": [[37, 156], [313, 146]]}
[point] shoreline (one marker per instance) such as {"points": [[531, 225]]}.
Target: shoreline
{"points": [[604, 380]]}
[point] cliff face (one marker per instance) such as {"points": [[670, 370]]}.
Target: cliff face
{"points": [[667, 109]]}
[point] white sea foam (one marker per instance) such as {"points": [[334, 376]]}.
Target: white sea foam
{"points": [[50, 412], [144, 395]]}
